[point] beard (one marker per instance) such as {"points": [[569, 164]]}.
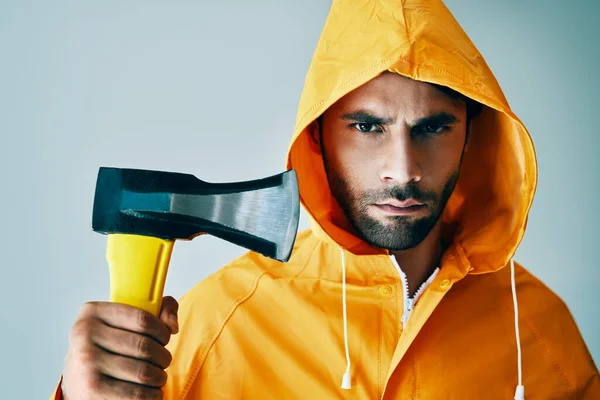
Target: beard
{"points": [[398, 232]]}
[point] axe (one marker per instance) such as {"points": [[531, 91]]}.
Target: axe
{"points": [[143, 213]]}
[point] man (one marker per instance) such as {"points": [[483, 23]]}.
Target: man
{"points": [[418, 179]]}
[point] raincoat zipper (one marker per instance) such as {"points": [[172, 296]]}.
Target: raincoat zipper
{"points": [[409, 302]]}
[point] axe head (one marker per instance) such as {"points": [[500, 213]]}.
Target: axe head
{"points": [[260, 215]]}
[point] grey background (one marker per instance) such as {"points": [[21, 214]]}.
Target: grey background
{"points": [[211, 88]]}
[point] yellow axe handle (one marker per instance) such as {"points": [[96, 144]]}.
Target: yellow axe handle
{"points": [[138, 269]]}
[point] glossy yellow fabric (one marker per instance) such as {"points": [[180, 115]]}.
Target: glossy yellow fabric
{"points": [[259, 329]]}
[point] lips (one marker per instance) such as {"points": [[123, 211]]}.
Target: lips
{"points": [[401, 203], [397, 207]]}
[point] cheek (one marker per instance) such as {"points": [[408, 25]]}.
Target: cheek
{"points": [[440, 160], [352, 159]]}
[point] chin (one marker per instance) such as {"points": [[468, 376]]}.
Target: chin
{"points": [[395, 233]]}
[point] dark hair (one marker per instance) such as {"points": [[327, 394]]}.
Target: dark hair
{"points": [[474, 108]]}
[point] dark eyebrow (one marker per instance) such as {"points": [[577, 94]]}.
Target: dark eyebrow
{"points": [[438, 119], [367, 117]]}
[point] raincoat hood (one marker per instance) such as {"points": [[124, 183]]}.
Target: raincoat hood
{"points": [[420, 40]]}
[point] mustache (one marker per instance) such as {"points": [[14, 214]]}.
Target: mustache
{"points": [[400, 193]]}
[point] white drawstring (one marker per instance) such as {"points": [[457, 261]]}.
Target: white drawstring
{"points": [[346, 380], [520, 392], [346, 384]]}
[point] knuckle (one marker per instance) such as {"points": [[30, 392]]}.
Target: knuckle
{"points": [[142, 393], [81, 329], [84, 309], [144, 348], [146, 374], [91, 382], [139, 393], [87, 309], [144, 321], [86, 357]]}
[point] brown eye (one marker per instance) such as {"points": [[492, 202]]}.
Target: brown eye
{"points": [[365, 127], [432, 130]]}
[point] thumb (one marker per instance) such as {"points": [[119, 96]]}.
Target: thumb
{"points": [[168, 314]]}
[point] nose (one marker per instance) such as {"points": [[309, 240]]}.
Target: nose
{"points": [[400, 161]]}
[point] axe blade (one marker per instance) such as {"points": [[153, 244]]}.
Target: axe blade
{"points": [[260, 215]]}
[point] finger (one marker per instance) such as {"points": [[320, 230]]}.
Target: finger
{"points": [[168, 314], [122, 316], [121, 390], [130, 370], [131, 344]]}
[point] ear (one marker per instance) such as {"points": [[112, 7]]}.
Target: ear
{"points": [[314, 130]]}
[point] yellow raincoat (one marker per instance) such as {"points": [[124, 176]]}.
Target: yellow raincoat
{"points": [[259, 329]]}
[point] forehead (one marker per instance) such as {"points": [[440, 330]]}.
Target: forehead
{"points": [[393, 90]]}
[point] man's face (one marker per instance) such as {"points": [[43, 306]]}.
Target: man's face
{"points": [[392, 150]]}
